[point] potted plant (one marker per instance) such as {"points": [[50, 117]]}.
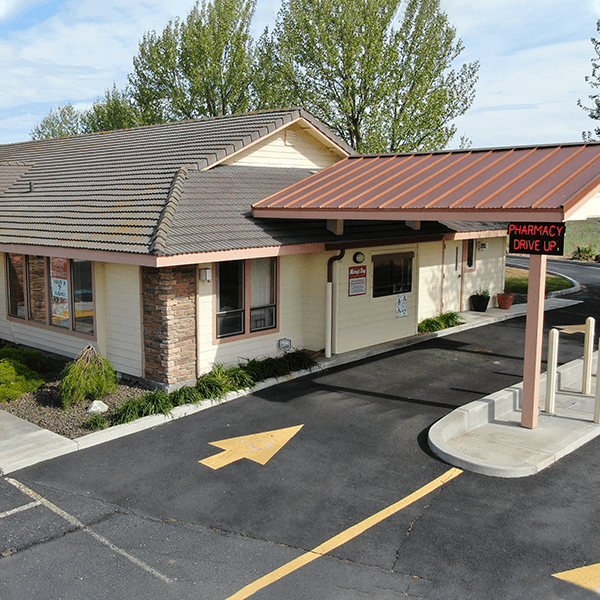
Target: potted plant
{"points": [[504, 300], [480, 299]]}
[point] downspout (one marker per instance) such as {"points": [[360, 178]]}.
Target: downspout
{"points": [[329, 302]]}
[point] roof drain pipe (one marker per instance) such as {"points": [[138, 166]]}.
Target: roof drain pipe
{"points": [[329, 303]]}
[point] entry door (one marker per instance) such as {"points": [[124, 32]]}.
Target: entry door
{"points": [[452, 283]]}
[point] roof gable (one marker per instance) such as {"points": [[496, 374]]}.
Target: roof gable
{"points": [[117, 190]]}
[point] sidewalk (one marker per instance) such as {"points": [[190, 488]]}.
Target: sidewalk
{"points": [[483, 436]]}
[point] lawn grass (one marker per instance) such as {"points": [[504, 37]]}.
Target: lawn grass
{"points": [[517, 281], [582, 233]]}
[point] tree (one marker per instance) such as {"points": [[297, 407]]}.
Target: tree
{"points": [[200, 67], [59, 122], [114, 110], [378, 88], [594, 81]]}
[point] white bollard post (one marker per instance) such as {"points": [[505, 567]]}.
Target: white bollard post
{"points": [[586, 384], [597, 403], [552, 363]]}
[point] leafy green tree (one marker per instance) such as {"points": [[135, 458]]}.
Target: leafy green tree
{"points": [[59, 122], [379, 88], [594, 81], [200, 67], [114, 110]]}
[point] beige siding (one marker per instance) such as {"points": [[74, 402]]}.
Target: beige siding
{"points": [[291, 147], [430, 279], [490, 265], [118, 321], [302, 314], [362, 321], [119, 316]]}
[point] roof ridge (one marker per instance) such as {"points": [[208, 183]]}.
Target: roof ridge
{"points": [[289, 111], [158, 242]]}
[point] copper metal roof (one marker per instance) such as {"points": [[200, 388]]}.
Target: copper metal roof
{"points": [[503, 184]]}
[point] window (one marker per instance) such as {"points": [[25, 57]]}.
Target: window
{"points": [[392, 274], [469, 252], [51, 291], [246, 296]]}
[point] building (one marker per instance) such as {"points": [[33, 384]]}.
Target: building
{"points": [[143, 242]]}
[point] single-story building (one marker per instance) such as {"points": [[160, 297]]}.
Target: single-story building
{"points": [[143, 242]]}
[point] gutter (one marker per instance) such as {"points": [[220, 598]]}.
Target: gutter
{"points": [[329, 302]]}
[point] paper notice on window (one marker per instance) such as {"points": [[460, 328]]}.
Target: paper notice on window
{"points": [[401, 306], [59, 286]]}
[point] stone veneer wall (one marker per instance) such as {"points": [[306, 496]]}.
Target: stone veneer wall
{"points": [[169, 305]]}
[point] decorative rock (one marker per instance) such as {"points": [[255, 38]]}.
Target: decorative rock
{"points": [[97, 407]]}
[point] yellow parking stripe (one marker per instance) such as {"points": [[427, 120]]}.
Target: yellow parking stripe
{"points": [[345, 536]]}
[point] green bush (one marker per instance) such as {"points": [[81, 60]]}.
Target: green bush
{"points": [[96, 422], [221, 380], [152, 403], [584, 253], [33, 359], [185, 395], [266, 368], [443, 321], [17, 379], [89, 376]]}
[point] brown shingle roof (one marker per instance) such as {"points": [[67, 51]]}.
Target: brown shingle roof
{"points": [[118, 190], [545, 182]]}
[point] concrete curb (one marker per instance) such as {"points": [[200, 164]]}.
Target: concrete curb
{"points": [[497, 406]]}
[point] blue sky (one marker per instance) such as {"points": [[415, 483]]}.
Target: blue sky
{"points": [[534, 58]]}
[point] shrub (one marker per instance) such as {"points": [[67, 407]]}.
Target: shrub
{"points": [[96, 422], [33, 359], [221, 380], [584, 253], [17, 379], [266, 368], [298, 360], [443, 321], [185, 395], [450, 319], [89, 376], [152, 403]]}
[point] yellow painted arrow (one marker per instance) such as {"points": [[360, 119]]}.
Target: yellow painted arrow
{"points": [[259, 447], [586, 577]]}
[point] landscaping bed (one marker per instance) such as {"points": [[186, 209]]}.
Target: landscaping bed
{"points": [[43, 407], [60, 404]]}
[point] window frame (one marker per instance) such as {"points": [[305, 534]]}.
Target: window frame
{"points": [[473, 266], [407, 254], [47, 324], [247, 303]]}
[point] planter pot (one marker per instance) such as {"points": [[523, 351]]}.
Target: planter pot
{"points": [[505, 300], [480, 303]]}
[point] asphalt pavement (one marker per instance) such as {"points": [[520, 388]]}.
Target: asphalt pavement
{"points": [[139, 516]]}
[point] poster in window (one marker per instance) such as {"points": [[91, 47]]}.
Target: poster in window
{"points": [[401, 306], [59, 287], [357, 281]]}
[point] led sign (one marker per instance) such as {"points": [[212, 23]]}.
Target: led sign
{"points": [[536, 238]]}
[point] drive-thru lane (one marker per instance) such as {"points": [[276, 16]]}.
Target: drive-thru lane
{"points": [[361, 449]]}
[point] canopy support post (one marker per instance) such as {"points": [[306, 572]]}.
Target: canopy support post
{"points": [[534, 334]]}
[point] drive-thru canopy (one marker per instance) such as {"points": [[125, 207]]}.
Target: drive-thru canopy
{"points": [[549, 183]]}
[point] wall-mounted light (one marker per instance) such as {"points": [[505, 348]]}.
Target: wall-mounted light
{"points": [[358, 258], [205, 274]]}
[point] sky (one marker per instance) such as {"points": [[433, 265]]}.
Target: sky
{"points": [[534, 58]]}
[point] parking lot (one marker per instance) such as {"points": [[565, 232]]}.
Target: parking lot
{"points": [[142, 517]]}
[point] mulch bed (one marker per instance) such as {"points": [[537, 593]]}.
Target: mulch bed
{"points": [[43, 407]]}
